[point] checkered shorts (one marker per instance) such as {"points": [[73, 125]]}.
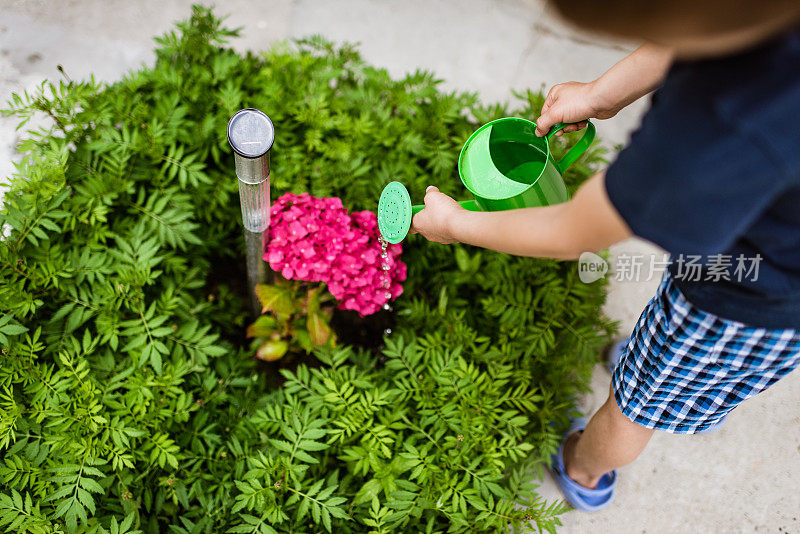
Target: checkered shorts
{"points": [[685, 369]]}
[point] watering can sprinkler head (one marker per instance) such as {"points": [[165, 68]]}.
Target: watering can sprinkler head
{"points": [[395, 212]]}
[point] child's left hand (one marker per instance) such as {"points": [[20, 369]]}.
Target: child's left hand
{"points": [[436, 221]]}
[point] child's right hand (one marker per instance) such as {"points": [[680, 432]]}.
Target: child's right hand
{"points": [[628, 80], [437, 220], [573, 103]]}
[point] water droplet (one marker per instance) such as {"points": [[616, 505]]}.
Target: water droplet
{"points": [[387, 331], [386, 282]]}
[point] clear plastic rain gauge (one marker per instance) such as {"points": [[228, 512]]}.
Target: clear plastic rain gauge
{"points": [[251, 134]]}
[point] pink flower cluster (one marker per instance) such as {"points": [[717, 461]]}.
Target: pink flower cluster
{"points": [[316, 240]]}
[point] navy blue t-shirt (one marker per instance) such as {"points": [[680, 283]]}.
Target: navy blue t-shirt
{"points": [[712, 175]]}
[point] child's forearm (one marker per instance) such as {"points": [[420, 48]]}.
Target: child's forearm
{"points": [[588, 222], [633, 77]]}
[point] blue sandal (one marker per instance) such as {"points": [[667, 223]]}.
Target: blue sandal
{"points": [[582, 498]]}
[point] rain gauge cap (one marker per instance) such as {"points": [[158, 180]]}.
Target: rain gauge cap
{"points": [[394, 212], [251, 134]]}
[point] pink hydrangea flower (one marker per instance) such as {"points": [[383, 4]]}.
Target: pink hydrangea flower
{"points": [[317, 240]]}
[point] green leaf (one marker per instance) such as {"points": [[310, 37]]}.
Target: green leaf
{"points": [[368, 491], [263, 327], [9, 327], [272, 350], [318, 328], [276, 299]]}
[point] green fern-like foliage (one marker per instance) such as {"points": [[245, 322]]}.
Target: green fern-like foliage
{"points": [[129, 401]]}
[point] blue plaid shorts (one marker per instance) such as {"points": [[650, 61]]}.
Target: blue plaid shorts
{"points": [[684, 369]]}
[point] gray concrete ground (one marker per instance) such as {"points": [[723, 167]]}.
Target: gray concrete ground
{"points": [[744, 478]]}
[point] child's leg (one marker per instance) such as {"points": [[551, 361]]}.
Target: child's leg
{"points": [[610, 440]]}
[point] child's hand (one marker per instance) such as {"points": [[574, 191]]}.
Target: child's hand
{"points": [[435, 222], [572, 102], [625, 82]]}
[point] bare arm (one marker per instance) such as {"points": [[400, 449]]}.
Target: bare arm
{"points": [[627, 81], [588, 222], [633, 77]]}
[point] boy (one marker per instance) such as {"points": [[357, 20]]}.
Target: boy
{"points": [[712, 172]]}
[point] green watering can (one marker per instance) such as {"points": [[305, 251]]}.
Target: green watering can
{"points": [[504, 164]]}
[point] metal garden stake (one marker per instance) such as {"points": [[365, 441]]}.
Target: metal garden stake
{"points": [[251, 134]]}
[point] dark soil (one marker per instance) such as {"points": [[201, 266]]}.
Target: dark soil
{"points": [[351, 329], [366, 332]]}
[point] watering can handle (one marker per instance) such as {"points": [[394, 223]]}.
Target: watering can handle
{"points": [[469, 205], [577, 150]]}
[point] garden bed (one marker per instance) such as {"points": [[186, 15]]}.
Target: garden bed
{"points": [[130, 398]]}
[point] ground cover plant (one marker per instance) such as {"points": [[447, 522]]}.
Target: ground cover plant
{"points": [[130, 397]]}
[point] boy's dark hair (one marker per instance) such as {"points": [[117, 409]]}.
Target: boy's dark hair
{"points": [[639, 18]]}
